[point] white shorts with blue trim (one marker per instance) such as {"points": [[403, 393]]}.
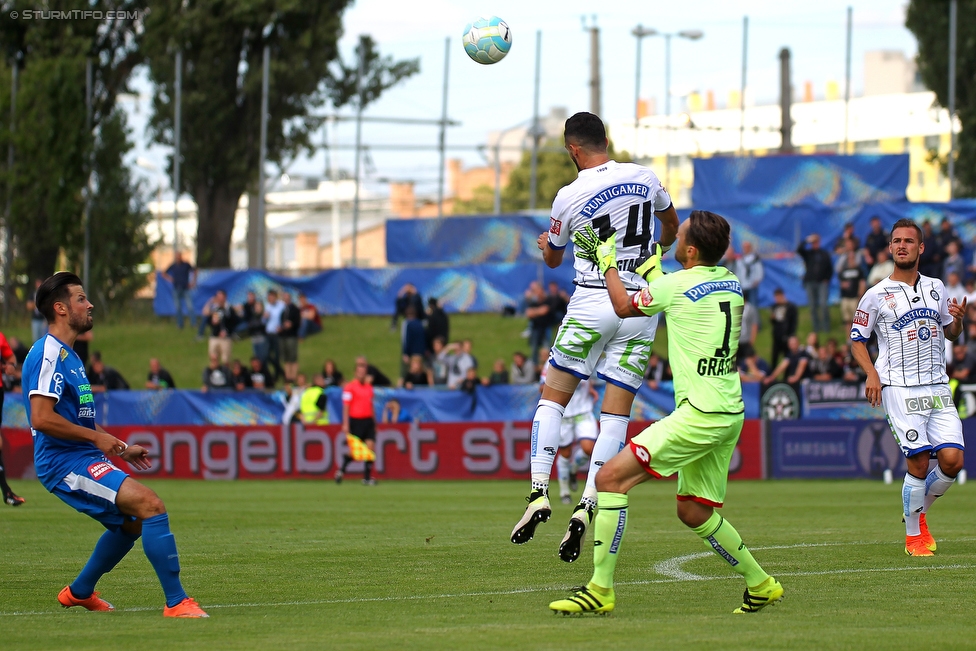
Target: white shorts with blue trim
{"points": [[922, 419], [591, 328], [577, 428], [92, 488]]}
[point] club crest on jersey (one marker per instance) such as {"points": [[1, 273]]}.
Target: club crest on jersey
{"points": [[64, 354], [861, 318], [890, 300], [555, 226], [934, 294]]}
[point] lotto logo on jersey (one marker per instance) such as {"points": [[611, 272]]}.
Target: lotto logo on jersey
{"points": [[861, 318], [555, 226], [643, 298], [100, 469]]}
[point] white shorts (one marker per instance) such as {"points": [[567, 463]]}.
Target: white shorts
{"points": [[591, 328], [575, 428], [922, 419]]}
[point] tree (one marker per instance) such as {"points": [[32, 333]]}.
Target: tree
{"points": [[928, 20], [222, 44], [54, 148], [554, 169]]}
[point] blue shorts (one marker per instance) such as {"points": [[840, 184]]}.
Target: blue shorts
{"points": [[91, 488]]}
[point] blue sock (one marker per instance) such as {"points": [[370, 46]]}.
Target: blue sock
{"points": [[109, 550], [160, 547]]}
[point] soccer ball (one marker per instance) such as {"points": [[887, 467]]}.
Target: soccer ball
{"points": [[487, 40]]}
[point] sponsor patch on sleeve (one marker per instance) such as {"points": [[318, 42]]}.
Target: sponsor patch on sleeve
{"points": [[642, 299], [64, 354], [861, 318], [555, 226]]}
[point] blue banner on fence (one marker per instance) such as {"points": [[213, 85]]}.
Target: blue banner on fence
{"points": [[188, 407], [474, 239], [840, 449], [472, 288], [821, 180]]}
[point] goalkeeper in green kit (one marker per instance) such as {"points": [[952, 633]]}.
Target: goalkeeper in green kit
{"points": [[704, 307]]}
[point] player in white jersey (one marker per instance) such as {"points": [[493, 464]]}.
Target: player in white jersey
{"points": [[913, 316], [578, 426], [611, 197]]}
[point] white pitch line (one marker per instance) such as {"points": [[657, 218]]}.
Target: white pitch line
{"points": [[501, 593]]}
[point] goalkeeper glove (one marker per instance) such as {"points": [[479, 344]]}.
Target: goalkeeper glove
{"points": [[650, 268], [590, 247]]}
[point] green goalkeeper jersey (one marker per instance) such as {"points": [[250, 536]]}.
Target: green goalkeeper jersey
{"points": [[704, 312]]}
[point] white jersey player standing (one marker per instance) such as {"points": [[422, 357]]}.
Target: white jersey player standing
{"points": [[578, 426], [610, 197], [913, 316]]}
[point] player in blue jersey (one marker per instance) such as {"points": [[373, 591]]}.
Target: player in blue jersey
{"points": [[71, 456]]}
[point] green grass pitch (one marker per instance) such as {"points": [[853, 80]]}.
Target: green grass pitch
{"points": [[428, 565]]}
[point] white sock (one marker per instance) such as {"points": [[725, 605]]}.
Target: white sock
{"points": [[936, 484], [613, 435], [545, 441], [913, 497], [562, 472]]}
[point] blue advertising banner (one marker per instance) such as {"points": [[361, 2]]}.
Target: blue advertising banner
{"points": [[818, 180], [474, 239], [807, 449]]}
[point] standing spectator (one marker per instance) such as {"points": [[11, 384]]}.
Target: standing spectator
{"points": [[358, 417], [216, 376], [416, 374], [522, 370], [291, 321], [538, 312], [816, 280], [749, 269], [960, 367], [558, 301], [875, 242], [204, 321], [883, 266], [954, 262], [470, 382], [463, 360], [850, 272], [750, 323], [244, 315], [256, 330], [930, 257], [783, 317], [259, 375], [945, 235], [413, 339], [377, 378], [8, 360], [331, 374], [440, 361], [408, 295], [20, 350], [499, 374], [852, 371], [183, 277], [274, 312], [220, 321], [311, 320], [812, 344], [159, 377], [38, 322], [824, 367], [437, 323]]}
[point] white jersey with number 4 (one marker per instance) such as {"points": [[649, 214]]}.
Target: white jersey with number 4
{"points": [[909, 320], [621, 197]]}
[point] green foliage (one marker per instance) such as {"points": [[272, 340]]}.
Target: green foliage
{"points": [[222, 44], [928, 20], [427, 565], [54, 150]]}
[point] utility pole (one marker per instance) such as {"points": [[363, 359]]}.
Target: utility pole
{"points": [[443, 134], [953, 22], [594, 65], [742, 88], [178, 100], [359, 142], [8, 230], [785, 101], [534, 166], [847, 81], [262, 156], [86, 217]]}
